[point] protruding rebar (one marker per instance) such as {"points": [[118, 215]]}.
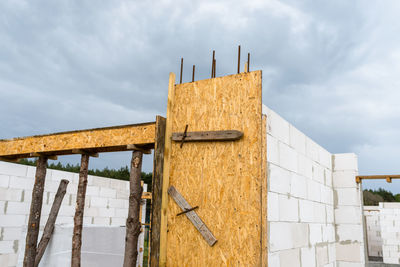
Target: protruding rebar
{"points": [[239, 59], [212, 64], [215, 67], [181, 70], [193, 73], [248, 62]]}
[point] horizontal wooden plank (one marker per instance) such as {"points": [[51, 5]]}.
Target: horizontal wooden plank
{"points": [[227, 135], [192, 216], [107, 139]]}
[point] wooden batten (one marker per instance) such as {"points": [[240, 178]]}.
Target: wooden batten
{"points": [[207, 136]]}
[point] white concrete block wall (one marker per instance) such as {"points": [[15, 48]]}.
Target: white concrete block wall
{"points": [[106, 203], [300, 198], [390, 230], [373, 227], [349, 226]]}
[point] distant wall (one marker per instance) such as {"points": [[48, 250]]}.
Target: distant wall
{"points": [[373, 226], [314, 204], [390, 230], [106, 203], [349, 225]]}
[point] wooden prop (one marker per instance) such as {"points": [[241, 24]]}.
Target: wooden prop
{"points": [[192, 216], [133, 221], [78, 218], [228, 135], [157, 192], [35, 212], [49, 228]]}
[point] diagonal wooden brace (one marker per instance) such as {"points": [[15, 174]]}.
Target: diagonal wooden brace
{"points": [[192, 216]]}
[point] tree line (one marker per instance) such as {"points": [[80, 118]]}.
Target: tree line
{"points": [[120, 174], [373, 197]]}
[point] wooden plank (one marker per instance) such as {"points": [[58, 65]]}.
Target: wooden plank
{"points": [[138, 148], [223, 178], [192, 216], [227, 135], [156, 191], [100, 140], [166, 170]]}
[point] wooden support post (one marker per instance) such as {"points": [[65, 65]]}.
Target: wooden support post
{"points": [[49, 228], [133, 221], [156, 191], [35, 212], [79, 209]]}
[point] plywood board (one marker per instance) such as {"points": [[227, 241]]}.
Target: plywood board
{"points": [[222, 178], [100, 139]]}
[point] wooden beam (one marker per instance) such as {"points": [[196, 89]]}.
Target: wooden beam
{"points": [[82, 151], [388, 178], [165, 182], [192, 216], [41, 154], [156, 191], [107, 139], [49, 228], [133, 224], [80, 207], [138, 148], [35, 212], [226, 135]]}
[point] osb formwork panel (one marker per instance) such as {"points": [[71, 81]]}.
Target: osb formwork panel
{"points": [[100, 139], [222, 178]]}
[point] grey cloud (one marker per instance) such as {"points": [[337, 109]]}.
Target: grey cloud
{"points": [[330, 68]]}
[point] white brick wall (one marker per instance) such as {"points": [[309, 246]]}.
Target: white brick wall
{"points": [[371, 214], [350, 249], [106, 203], [314, 204], [300, 198], [389, 218]]}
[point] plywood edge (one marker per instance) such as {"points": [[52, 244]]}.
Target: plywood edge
{"points": [[167, 155]]}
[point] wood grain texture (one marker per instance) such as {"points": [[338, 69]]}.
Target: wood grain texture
{"points": [[227, 135], [223, 178], [192, 216], [101, 139], [157, 191]]}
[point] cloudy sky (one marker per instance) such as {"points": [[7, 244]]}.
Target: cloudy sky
{"points": [[329, 67]]}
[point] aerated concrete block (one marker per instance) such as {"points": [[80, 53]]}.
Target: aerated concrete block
{"points": [[288, 209], [287, 157], [297, 140], [347, 161]]}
